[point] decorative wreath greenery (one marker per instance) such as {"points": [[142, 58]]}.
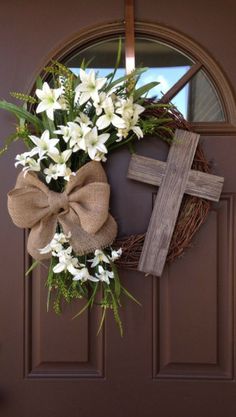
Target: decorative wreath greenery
{"points": [[62, 194]]}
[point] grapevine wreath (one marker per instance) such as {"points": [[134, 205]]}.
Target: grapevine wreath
{"points": [[69, 127]]}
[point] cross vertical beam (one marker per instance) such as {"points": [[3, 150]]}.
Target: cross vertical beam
{"points": [[168, 201]]}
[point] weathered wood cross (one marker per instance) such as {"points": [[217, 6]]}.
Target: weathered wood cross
{"points": [[175, 178]]}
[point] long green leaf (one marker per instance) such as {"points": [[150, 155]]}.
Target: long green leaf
{"points": [[39, 82], [144, 89], [34, 264], [102, 320], [21, 113], [135, 73], [127, 293], [116, 280], [49, 283], [90, 301], [118, 58], [115, 307]]}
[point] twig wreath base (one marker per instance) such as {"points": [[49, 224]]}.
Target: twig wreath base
{"points": [[193, 211]]}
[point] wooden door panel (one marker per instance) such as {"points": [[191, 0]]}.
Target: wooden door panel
{"points": [[177, 356], [58, 346], [194, 304]]}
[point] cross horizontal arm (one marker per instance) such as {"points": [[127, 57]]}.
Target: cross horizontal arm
{"points": [[199, 184]]}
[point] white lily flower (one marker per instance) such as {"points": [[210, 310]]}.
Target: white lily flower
{"points": [[51, 173], [130, 113], [44, 144], [61, 158], [131, 124], [89, 87], [100, 157], [104, 275], [100, 103], [48, 249], [138, 109], [49, 100], [33, 165], [83, 118], [127, 108], [138, 131], [56, 244], [78, 133], [66, 262], [64, 131], [115, 255], [109, 117], [22, 159], [64, 171], [95, 142], [62, 238], [84, 275], [57, 170], [99, 258], [68, 174]]}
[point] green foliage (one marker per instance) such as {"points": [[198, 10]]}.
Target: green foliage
{"points": [[58, 69], [32, 267], [63, 286], [64, 290], [127, 78], [24, 97], [144, 90], [21, 113], [118, 59]]}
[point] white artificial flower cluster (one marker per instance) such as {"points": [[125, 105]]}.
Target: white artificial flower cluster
{"points": [[61, 249], [80, 135], [46, 149], [122, 114], [104, 113]]}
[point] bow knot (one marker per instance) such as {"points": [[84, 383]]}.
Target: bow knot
{"points": [[57, 201], [81, 210]]}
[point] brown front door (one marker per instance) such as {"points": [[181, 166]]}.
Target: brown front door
{"points": [[177, 355]]}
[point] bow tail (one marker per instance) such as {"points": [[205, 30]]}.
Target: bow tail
{"points": [[40, 236]]}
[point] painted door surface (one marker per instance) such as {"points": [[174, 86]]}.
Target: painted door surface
{"points": [[177, 355]]}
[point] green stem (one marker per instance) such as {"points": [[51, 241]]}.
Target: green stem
{"points": [[119, 144]]}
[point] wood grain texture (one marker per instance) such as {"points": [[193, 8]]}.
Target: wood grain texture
{"points": [[152, 171], [168, 203]]}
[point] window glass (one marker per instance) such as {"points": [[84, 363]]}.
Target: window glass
{"points": [[202, 102], [198, 100]]}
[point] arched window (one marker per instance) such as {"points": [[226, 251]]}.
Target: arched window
{"points": [[197, 85], [198, 100]]}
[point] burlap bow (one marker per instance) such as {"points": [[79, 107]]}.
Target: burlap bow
{"points": [[82, 210]]}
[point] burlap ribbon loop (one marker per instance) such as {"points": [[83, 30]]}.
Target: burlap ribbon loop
{"points": [[82, 209]]}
